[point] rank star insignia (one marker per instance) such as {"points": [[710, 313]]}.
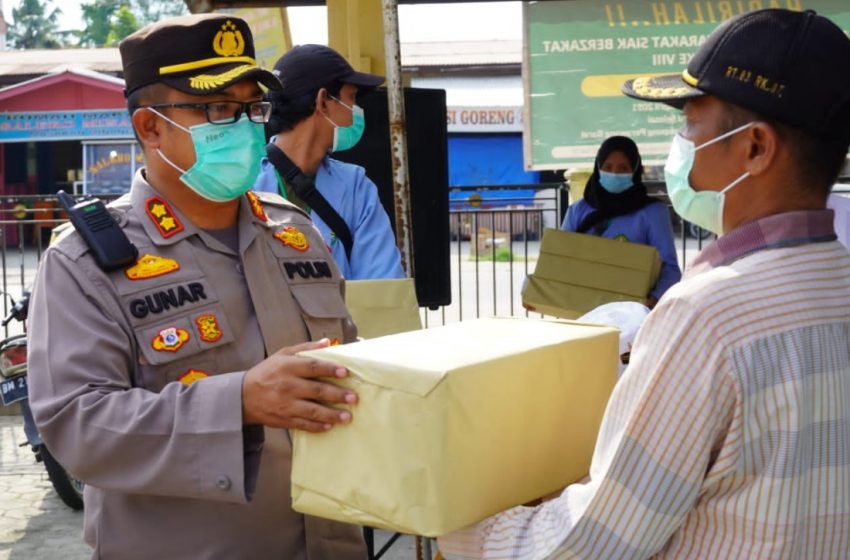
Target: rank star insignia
{"points": [[170, 339], [291, 236], [208, 329], [256, 206], [191, 376], [168, 223], [162, 216], [158, 210], [151, 266]]}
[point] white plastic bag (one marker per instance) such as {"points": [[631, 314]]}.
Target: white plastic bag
{"points": [[627, 316]]}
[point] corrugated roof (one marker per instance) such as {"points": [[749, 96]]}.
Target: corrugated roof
{"points": [[461, 53], [48, 61]]}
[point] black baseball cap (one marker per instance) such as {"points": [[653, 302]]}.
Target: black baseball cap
{"points": [[305, 68], [197, 54], [787, 65]]}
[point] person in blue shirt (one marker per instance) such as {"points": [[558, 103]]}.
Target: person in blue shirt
{"points": [[615, 205], [314, 115]]}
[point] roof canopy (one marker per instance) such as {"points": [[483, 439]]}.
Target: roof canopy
{"points": [[68, 90]]}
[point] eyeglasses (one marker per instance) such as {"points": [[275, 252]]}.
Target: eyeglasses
{"points": [[225, 112]]}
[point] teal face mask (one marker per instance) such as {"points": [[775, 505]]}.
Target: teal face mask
{"points": [[703, 208], [346, 137], [615, 183], [227, 158]]}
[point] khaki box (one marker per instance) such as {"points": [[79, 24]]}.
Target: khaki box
{"points": [[456, 423], [383, 306], [577, 272]]}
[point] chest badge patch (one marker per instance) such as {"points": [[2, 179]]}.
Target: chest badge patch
{"points": [[291, 236], [191, 376], [208, 329], [151, 266], [256, 206], [170, 339], [162, 216]]}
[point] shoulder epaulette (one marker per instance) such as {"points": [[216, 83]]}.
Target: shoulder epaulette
{"points": [[276, 201]]}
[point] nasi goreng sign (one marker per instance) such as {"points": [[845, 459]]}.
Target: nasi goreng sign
{"points": [[577, 54]]}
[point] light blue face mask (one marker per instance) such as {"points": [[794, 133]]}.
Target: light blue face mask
{"points": [[227, 158], [346, 137], [703, 208], [615, 183]]}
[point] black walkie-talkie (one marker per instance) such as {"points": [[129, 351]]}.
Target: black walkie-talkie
{"points": [[108, 242]]}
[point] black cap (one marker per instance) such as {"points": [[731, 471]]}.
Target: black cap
{"points": [[305, 68], [790, 66], [197, 54]]}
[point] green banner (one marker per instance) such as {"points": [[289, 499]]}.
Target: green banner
{"points": [[579, 52]]}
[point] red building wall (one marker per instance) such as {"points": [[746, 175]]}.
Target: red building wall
{"points": [[66, 91], [69, 92]]}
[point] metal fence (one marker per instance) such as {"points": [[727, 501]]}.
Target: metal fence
{"points": [[495, 237], [495, 244]]}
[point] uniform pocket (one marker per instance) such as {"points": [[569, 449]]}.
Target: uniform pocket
{"points": [[323, 310], [182, 347]]}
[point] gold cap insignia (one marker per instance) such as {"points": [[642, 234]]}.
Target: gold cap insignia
{"points": [[228, 41], [291, 236], [210, 81], [151, 266]]}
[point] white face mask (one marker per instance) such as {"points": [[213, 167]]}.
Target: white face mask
{"points": [[703, 208]]}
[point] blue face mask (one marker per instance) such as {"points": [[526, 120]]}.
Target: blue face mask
{"points": [[227, 158], [703, 208], [346, 137], [615, 183]]}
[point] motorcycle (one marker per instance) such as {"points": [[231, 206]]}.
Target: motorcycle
{"points": [[13, 388]]}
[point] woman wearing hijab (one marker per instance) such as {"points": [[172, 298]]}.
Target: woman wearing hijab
{"points": [[616, 206]]}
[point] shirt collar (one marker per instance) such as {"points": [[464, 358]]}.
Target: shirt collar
{"points": [[771, 232], [166, 225]]}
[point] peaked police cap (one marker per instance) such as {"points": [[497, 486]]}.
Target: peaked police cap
{"points": [[196, 54]]}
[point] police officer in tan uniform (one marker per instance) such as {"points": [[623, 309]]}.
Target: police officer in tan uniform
{"points": [[167, 385]]}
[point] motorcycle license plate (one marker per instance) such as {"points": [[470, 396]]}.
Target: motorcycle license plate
{"points": [[13, 390]]}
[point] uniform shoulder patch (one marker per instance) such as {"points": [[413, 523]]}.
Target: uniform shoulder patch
{"points": [[274, 200], [162, 216], [256, 206]]}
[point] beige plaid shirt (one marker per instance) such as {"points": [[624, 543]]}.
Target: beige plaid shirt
{"points": [[728, 436]]}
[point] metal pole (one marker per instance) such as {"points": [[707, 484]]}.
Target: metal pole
{"points": [[398, 136]]}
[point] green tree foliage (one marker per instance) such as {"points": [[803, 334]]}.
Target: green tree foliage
{"points": [[125, 23], [98, 17], [150, 11], [106, 22], [35, 26]]}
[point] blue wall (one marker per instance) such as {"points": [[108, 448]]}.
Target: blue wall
{"points": [[492, 159]]}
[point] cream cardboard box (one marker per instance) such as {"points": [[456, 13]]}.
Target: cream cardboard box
{"points": [[383, 306], [456, 423], [577, 272]]}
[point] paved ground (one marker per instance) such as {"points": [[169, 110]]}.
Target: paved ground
{"points": [[36, 525]]}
